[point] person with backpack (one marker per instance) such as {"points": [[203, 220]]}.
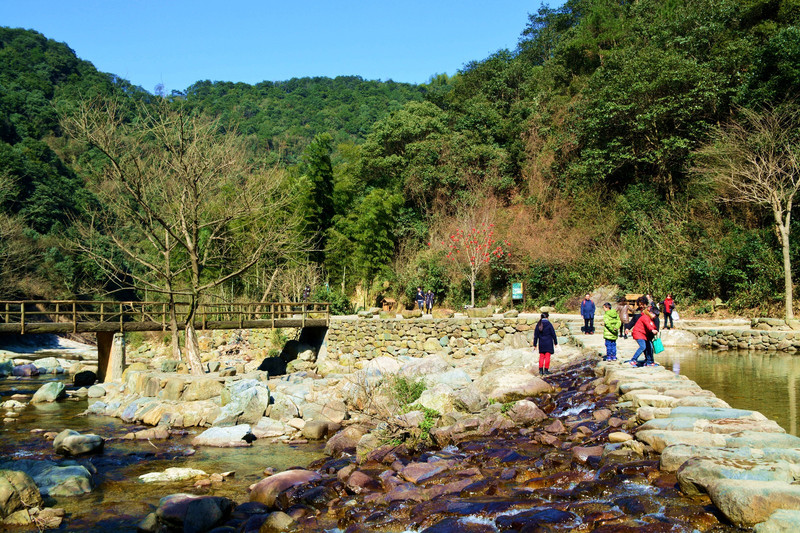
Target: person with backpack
{"points": [[611, 324], [587, 312], [544, 335]]}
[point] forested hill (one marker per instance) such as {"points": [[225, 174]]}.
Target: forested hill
{"points": [[285, 115], [40, 194]]}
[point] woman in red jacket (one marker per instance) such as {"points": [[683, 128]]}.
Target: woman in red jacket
{"points": [[644, 331]]}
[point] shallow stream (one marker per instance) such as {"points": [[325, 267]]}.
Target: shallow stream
{"points": [[768, 382], [120, 500]]}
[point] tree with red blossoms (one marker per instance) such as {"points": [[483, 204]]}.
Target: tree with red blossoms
{"points": [[472, 248]]}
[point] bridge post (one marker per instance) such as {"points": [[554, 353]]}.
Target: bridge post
{"points": [[110, 355]]}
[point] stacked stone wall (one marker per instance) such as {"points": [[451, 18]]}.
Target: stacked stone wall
{"points": [[749, 339], [353, 340]]}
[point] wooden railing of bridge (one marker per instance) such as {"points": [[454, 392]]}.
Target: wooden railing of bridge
{"points": [[80, 316]]}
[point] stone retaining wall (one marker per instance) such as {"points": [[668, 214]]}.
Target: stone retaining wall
{"points": [[353, 340], [748, 339]]}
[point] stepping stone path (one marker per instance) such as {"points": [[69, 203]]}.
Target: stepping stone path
{"points": [[747, 464]]}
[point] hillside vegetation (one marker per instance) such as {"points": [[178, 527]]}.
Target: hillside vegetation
{"points": [[578, 146]]}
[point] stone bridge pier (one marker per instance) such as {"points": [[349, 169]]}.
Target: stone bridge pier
{"points": [[110, 356]]}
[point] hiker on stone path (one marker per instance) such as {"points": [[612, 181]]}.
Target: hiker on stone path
{"points": [[643, 330], [587, 312], [611, 325], [623, 310], [420, 299], [544, 335]]}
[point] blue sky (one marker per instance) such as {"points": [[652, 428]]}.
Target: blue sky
{"points": [[178, 42]]}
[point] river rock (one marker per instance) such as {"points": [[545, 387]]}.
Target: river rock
{"points": [[225, 437], [747, 502], [25, 370], [454, 378], [245, 407], [507, 385], [513, 358], [426, 366], [440, 398], [67, 478], [345, 440], [781, 521], [470, 400], [268, 427], [419, 472], [202, 389], [84, 378], [675, 456], [17, 491], [186, 512], [526, 413], [6, 367], [660, 439], [171, 475], [267, 490], [277, 521], [315, 430], [383, 365], [49, 392], [283, 407], [70, 442], [96, 391], [696, 474]]}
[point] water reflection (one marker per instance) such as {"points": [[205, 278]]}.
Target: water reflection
{"points": [[758, 380]]}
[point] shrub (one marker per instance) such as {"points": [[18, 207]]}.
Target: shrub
{"points": [[404, 390]]}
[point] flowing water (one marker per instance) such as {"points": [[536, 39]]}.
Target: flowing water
{"points": [[768, 382], [120, 500]]}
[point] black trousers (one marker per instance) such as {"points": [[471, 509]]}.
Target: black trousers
{"points": [[588, 325], [668, 323]]}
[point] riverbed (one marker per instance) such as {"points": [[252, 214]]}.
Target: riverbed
{"points": [[120, 500]]}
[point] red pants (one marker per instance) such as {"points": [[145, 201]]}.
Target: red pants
{"points": [[544, 360]]}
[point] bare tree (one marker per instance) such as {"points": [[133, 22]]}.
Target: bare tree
{"points": [[754, 159], [182, 201]]}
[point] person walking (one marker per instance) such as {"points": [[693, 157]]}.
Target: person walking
{"points": [[643, 330], [623, 311], [420, 299], [587, 312], [611, 325], [429, 301], [654, 311], [669, 307], [544, 335]]}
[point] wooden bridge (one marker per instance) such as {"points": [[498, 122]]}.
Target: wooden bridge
{"points": [[106, 318]]}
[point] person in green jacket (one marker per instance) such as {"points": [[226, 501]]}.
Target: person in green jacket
{"points": [[611, 325]]}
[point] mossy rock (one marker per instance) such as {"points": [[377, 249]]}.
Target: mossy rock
{"points": [[480, 312]]}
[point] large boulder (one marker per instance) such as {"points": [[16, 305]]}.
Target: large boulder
{"points": [[267, 490], [54, 479], [225, 437], [509, 359], [49, 392], [25, 370], [17, 491], [505, 385], [245, 407], [69, 442], [189, 513], [526, 413], [746, 502], [283, 407], [268, 427], [426, 366], [345, 440], [696, 474], [440, 398], [202, 389], [781, 521], [454, 378], [383, 365]]}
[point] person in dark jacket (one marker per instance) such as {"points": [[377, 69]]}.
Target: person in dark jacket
{"points": [[587, 312], [420, 299], [544, 335], [429, 302]]}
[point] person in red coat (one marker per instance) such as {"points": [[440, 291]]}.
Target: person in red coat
{"points": [[669, 306], [643, 330]]}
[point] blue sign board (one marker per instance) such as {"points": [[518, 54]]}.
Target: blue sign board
{"points": [[516, 291]]}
